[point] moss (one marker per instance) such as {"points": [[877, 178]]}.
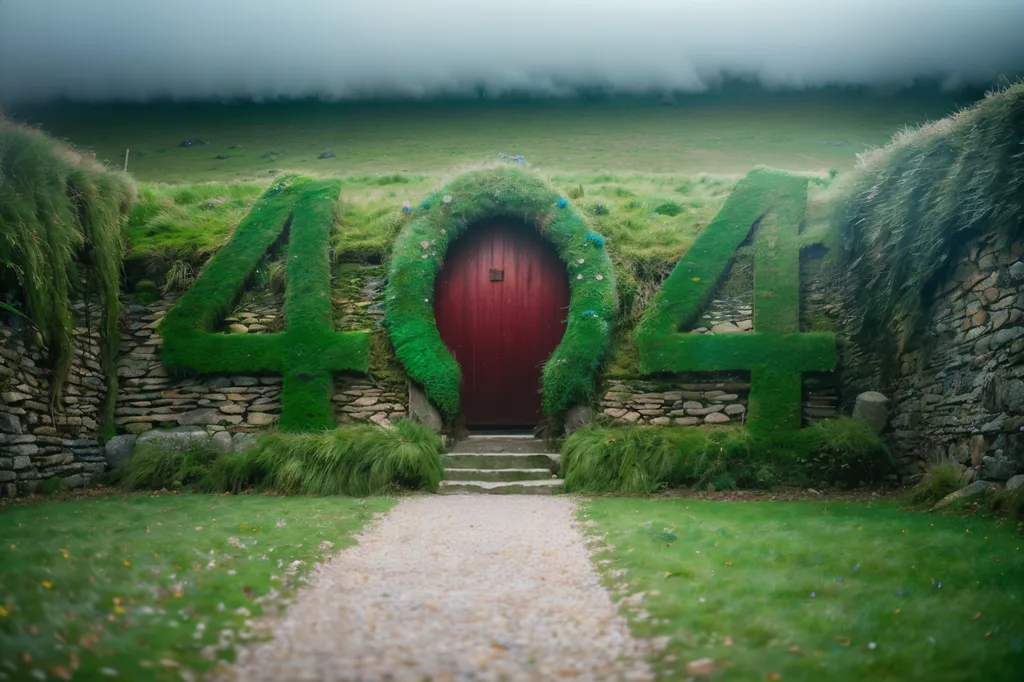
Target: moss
{"points": [[776, 354], [569, 375], [309, 349], [58, 211]]}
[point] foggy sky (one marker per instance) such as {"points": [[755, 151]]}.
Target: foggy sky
{"points": [[140, 49]]}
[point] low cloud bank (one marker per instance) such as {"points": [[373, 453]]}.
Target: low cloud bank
{"points": [[185, 49]]}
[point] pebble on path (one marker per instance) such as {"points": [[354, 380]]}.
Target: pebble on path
{"points": [[455, 588]]}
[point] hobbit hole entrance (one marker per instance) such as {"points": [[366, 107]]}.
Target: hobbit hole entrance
{"points": [[500, 303]]}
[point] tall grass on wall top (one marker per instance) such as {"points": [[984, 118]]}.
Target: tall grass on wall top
{"points": [[61, 217], [417, 257], [906, 208]]}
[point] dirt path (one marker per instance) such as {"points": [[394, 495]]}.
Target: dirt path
{"points": [[452, 588]]}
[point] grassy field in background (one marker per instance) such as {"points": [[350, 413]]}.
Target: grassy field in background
{"points": [[146, 587], [816, 590], [723, 133]]}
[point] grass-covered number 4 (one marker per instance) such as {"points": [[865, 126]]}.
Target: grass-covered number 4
{"points": [[309, 349], [776, 354]]}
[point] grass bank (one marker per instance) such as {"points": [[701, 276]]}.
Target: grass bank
{"points": [[815, 590], [151, 588]]}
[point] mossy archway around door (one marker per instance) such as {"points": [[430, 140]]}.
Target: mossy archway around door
{"points": [[570, 374]]}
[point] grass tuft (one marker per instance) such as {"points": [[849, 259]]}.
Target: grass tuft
{"points": [[359, 461], [941, 480], [847, 453]]}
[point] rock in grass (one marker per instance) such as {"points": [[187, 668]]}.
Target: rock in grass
{"points": [[118, 449], [998, 468], [221, 442], [872, 408], [192, 142], [1015, 482], [241, 442], [238, 329], [180, 438], [976, 488], [326, 155]]}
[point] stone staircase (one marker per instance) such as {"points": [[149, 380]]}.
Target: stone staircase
{"points": [[500, 465]]}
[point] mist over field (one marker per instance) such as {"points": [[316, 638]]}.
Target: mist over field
{"points": [[142, 49]]}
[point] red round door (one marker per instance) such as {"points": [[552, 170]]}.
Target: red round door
{"points": [[500, 302]]}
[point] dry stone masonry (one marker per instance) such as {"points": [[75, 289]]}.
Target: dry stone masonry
{"points": [[959, 395], [36, 444]]}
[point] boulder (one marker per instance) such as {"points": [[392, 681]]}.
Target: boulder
{"points": [[976, 488], [192, 142], [998, 468], [872, 408], [578, 416], [716, 418], [1015, 482], [326, 155], [221, 442], [241, 442], [422, 411], [180, 438], [118, 449], [726, 328]]}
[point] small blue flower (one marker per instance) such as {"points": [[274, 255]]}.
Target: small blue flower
{"points": [[856, 567], [595, 238], [562, 203], [839, 579], [588, 314], [406, 208], [813, 595]]}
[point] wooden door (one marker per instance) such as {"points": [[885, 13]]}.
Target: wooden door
{"points": [[500, 302]]}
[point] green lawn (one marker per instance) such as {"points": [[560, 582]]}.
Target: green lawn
{"points": [[143, 588], [817, 590], [716, 133]]}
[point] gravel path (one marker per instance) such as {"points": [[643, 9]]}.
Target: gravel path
{"points": [[450, 588]]}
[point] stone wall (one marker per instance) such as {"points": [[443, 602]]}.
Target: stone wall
{"points": [[959, 394], [149, 398], [703, 399], [37, 445], [691, 400], [957, 389]]}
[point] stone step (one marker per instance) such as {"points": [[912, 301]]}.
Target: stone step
{"points": [[498, 460], [483, 444], [547, 487], [497, 475]]}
